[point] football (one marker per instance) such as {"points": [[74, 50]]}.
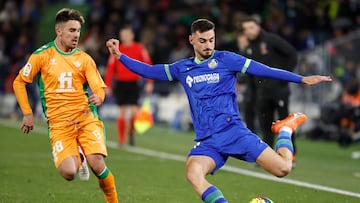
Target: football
{"points": [[261, 199]]}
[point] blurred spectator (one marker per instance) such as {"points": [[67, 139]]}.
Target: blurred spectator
{"points": [[9, 13], [349, 113], [305, 24]]}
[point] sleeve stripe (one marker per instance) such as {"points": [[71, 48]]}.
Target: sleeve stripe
{"points": [[246, 65], [167, 71]]}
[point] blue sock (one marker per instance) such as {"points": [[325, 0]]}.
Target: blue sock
{"points": [[213, 195], [284, 140]]}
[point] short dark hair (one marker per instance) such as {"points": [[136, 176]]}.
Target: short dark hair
{"points": [[248, 19], [202, 25], [239, 24], [126, 27], [66, 14]]}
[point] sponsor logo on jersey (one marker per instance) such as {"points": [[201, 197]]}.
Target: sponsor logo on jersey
{"points": [[27, 69], [77, 64], [52, 61], [208, 78], [65, 82]]}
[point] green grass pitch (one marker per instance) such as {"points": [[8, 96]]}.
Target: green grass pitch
{"points": [[28, 174]]}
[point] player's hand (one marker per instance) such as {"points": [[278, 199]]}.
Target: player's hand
{"points": [[95, 99], [315, 79], [113, 47], [27, 123]]}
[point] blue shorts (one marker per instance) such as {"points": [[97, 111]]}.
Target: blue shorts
{"points": [[237, 142]]}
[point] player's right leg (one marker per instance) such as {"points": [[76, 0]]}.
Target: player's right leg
{"points": [[68, 168], [65, 151], [197, 167], [203, 159]]}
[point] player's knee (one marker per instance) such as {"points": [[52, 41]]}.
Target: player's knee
{"points": [[68, 174], [191, 177], [67, 170], [283, 171], [96, 162]]}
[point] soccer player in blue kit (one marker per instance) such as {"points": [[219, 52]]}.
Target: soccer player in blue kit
{"points": [[209, 81]]}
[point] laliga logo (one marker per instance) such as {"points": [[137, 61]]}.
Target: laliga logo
{"points": [[27, 69]]}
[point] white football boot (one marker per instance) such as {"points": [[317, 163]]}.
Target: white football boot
{"points": [[83, 172]]}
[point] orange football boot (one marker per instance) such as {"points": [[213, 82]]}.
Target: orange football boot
{"points": [[293, 121]]}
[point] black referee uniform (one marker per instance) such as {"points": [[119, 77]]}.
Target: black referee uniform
{"points": [[272, 96]]}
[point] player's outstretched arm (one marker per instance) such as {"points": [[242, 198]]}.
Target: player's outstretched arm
{"points": [[315, 79], [261, 70], [155, 72]]}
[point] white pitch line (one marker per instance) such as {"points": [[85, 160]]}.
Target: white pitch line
{"points": [[164, 155]]}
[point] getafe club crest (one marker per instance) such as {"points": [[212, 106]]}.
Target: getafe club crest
{"points": [[213, 64]]}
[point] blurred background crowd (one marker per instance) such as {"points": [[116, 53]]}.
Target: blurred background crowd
{"points": [[325, 33]]}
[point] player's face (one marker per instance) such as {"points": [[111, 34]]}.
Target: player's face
{"points": [[203, 43], [251, 29], [68, 34]]}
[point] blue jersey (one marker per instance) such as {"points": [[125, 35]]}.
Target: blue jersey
{"points": [[210, 86]]}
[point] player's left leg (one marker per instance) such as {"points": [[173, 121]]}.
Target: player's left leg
{"points": [[197, 167], [279, 162], [282, 108], [105, 177], [92, 140]]}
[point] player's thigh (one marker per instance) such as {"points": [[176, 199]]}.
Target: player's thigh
{"points": [[199, 165], [63, 143], [92, 136], [214, 159], [271, 161], [69, 166]]}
